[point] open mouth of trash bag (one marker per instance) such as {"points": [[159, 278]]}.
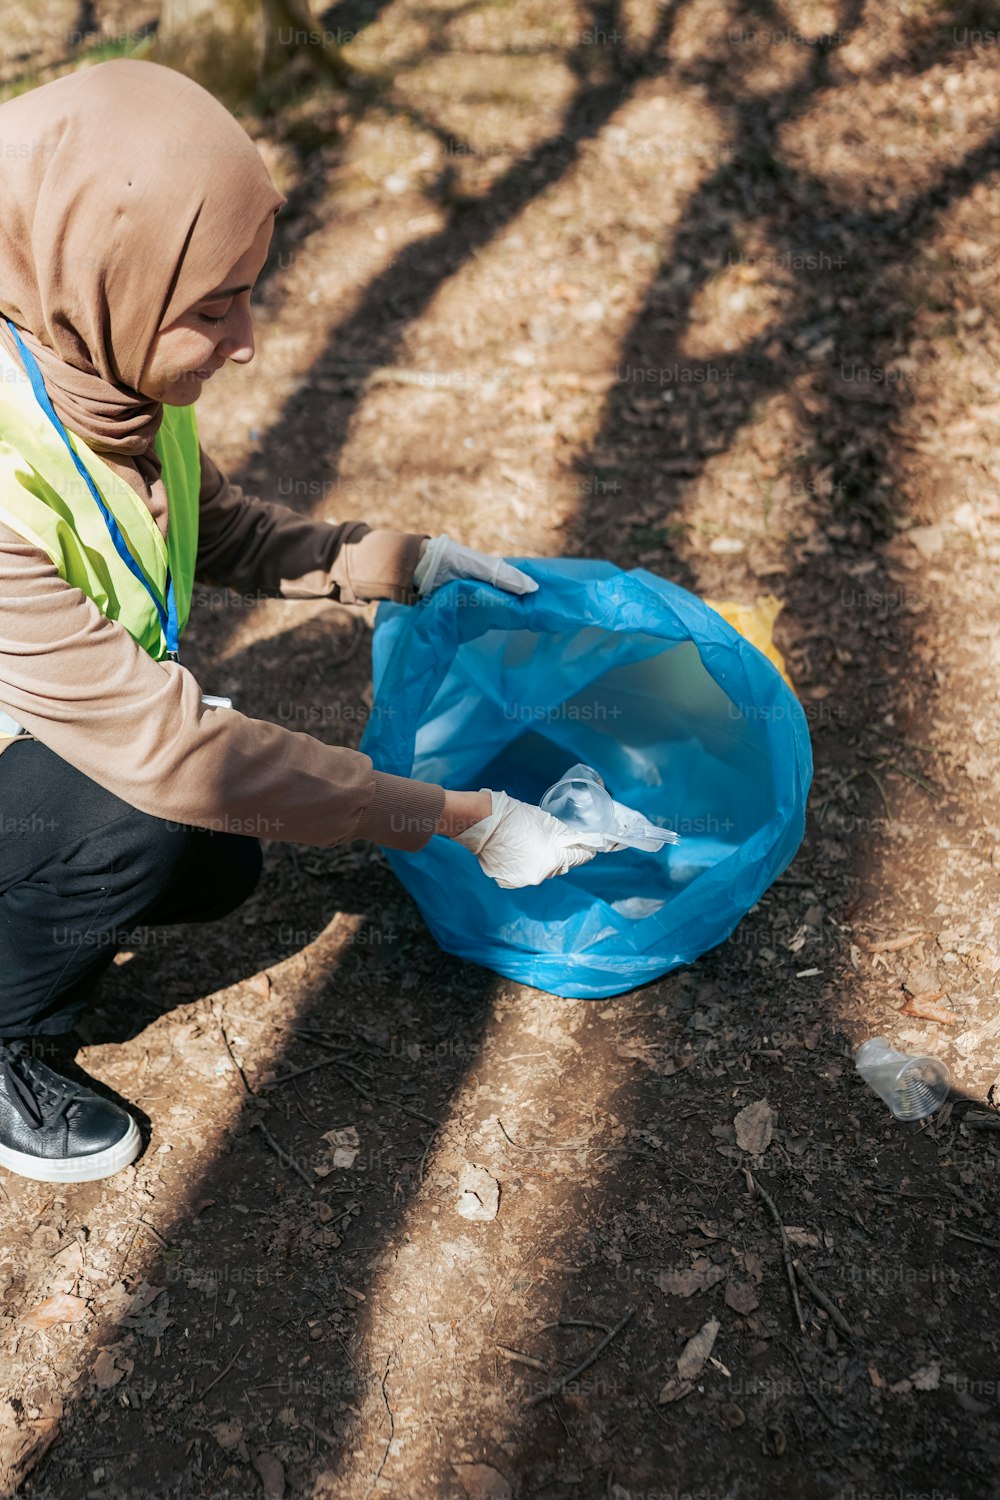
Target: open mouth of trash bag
{"points": [[685, 721]]}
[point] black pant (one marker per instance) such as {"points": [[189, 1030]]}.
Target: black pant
{"points": [[78, 868]]}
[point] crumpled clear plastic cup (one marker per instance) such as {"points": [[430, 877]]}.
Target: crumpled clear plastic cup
{"points": [[913, 1086], [581, 799]]}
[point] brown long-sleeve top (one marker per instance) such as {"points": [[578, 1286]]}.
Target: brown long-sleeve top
{"points": [[82, 686]]}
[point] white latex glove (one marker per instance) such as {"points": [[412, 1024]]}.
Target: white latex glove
{"points": [[519, 844], [442, 560]]}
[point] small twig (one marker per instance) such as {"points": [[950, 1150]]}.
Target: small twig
{"points": [[326, 1436], [365, 1093], [921, 781], [415, 1114], [225, 1041], [881, 791], [223, 1372], [976, 1239], [819, 1404], [574, 1323], [786, 1249], [128, 1252], [837, 790], [973, 1203], [822, 1300], [517, 1358], [350, 1357], [564, 1380], [912, 744], [897, 944], [144, 1225], [423, 1160], [356, 1068], [601, 1151], [282, 1155], [583, 1146], [517, 1166], [322, 1038], [324, 1062], [392, 1426], [301, 1102]]}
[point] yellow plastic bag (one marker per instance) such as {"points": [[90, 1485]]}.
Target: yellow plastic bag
{"points": [[755, 622]]}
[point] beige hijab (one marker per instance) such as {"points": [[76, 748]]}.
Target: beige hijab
{"points": [[126, 194]]}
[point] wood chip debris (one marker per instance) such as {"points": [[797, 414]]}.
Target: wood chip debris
{"points": [[897, 944]]}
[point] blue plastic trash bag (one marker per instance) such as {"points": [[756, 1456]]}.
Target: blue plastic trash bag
{"points": [[683, 718]]}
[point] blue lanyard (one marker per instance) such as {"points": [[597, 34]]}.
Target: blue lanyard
{"points": [[167, 615]]}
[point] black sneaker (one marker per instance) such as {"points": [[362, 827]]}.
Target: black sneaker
{"points": [[55, 1129]]}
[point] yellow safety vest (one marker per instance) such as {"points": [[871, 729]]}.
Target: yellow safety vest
{"points": [[45, 500]]}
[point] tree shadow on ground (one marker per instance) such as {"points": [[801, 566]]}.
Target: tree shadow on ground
{"points": [[727, 990]]}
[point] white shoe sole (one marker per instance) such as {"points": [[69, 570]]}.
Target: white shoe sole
{"points": [[75, 1168]]}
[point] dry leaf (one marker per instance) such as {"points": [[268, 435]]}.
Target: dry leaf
{"points": [[754, 1125], [145, 1317], [675, 1390], [342, 1148], [107, 1372], [741, 1297], [272, 1475], [754, 1266], [114, 1302], [691, 1360], [227, 1434], [62, 1308], [926, 1007], [481, 1482], [686, 1283]]}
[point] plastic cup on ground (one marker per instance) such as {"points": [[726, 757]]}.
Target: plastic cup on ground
{"points": [[913, 1086]]}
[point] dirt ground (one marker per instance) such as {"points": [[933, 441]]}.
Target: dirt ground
{"points": [[710, 288]]}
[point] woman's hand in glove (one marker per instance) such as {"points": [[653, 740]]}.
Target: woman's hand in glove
{"points": [[442, 560], [519, 844]]}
